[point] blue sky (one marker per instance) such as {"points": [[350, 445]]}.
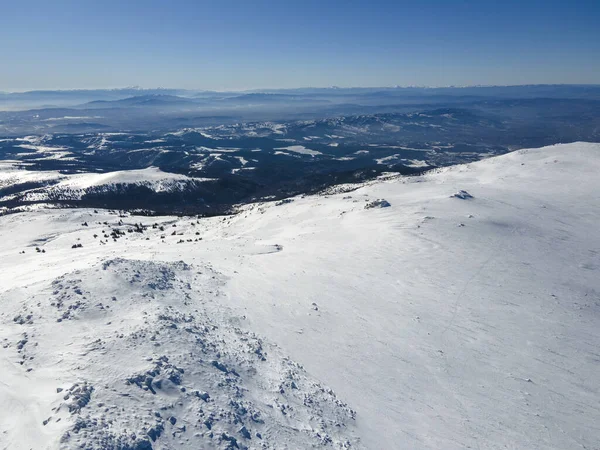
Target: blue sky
{"points": [[234, 44]]}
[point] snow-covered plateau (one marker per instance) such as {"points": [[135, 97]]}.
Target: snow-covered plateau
{"points": [[457, 309], [58, 186]]}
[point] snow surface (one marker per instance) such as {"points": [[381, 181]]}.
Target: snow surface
{"points": [[435, 323], [11, 174], [299, 149]]}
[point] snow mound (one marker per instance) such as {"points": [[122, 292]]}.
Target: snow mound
{"points": [[463, 195], [138, 356], [379, 203]]}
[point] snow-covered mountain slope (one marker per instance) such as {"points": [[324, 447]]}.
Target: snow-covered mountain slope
{"points": [[446, 320], [53, 185]]}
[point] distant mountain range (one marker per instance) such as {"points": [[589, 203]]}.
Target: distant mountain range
{"points": [[38, 98], [150, 100]]}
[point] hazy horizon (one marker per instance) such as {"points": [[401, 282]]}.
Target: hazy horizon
{"points": [[270, 88]]}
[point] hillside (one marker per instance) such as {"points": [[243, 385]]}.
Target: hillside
{"points": [[461, 312]]}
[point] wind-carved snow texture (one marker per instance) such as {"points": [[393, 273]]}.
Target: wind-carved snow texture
{"points": [[153, 361]]}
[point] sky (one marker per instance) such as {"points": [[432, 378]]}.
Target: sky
{"points": [[254, 44]]}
